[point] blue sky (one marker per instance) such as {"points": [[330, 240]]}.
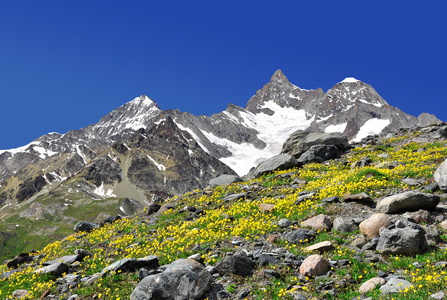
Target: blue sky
{"points": [[65, 64]]}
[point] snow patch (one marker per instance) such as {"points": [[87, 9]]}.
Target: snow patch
{"points": [[159, 166], [349, 80], [336, 128], [101, 192], [372, 126]]}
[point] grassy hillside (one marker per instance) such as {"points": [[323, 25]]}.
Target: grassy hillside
{"points": [[178, 233]]}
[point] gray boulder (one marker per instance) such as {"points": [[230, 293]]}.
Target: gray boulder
{"points": [[56, 269], [301, 141], [238, 264], [131, 264], [85, 226], [278, 162], [319, 153], [408, 240], [184, 279], [300, 236], [344, 225], [395, 285], [224, 180], [441, 176], [408, 201]]}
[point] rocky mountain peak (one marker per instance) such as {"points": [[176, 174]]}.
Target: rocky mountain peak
{"points": [[279, 77]]}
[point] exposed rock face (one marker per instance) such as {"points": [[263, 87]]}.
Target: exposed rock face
{"points": [[182, 280], [441, 176], [301, 141], [278, 162], [408, 201]]}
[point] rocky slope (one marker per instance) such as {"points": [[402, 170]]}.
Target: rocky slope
{"points": [[370, 223]]}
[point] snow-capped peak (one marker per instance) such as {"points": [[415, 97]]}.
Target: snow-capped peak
{"points": [[349, 80]]}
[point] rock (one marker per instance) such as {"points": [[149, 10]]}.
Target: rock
{"points": [[19, 294], [300, 236], [441, 176], [112, 219], [278, 162], [182, 279], [371, 284], [283, 223], [405, 241], [408, 201], [272, 274], [432, 235], [320, 222], [444, 224], [79, 255], [18, 260], [361, 198], [319, 153], [56, 269], [224, 179], [438, 296], [371, 226], [153, 208], [344, 225], [301, 141], [322, 246], [131, 264], [333, 199], [361, 163], [85, 226], [359, 242], [395, 285], [232, 197], [265, 260], [420, 216], [412, 182], [166, 207], [266, 207], [238, 264], [314, 265]]}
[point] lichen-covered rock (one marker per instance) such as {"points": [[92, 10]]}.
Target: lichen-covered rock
{"points": [[183, 279]]}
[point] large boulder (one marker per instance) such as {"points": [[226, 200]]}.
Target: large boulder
{"points": [[319, 153], [371, 226], [224, 179], [408, 201], [183, 279], [314, 265], [301, 141], [441, 176], [238, 264], [132, 264], [406, 238], [278, 162]]}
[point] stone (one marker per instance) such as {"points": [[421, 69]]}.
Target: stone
{"points": [[319, 154], [361, 198], [314, 265], [18, 260], [278, 162], [85, 226], [19, 294], [333, 199], [266, 207], [438, 296], [284, 223], [412, 182], [166, 207], [440, 176], [265, 260], [395, 285], [322, 246], [320, 222], [420, 216], [153, 208], [405, 241], [361, 163], [224, 179], [371, 284], [182, 279], [300, 236], [131, 264], [443, 224], [344, 225], [432, 235], [408, 201], [232, 197], [112, 219], [56, 269], [300, 141], [371, 226], [238, 264]]}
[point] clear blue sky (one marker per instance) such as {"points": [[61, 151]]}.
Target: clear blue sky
{"points": [[65, 64]]}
